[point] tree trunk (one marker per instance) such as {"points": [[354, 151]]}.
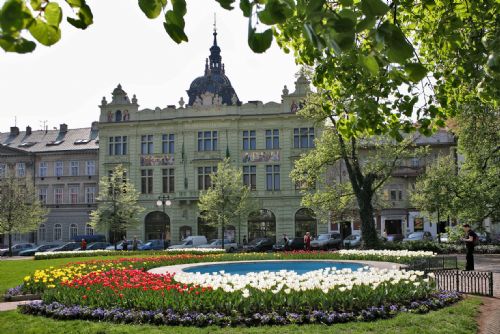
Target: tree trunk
{"points": [[368, 230], [10, 244], [223, 230]]}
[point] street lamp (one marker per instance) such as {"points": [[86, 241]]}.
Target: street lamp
{"points": [[164, 201]]}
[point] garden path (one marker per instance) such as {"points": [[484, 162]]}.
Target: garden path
{"points": [[9, 306]]}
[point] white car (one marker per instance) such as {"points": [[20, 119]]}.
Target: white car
{"points": [[217, 243], [193, 241]]}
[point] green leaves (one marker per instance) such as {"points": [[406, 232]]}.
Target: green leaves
{"points": [[53, 14], [398, 49], [84, 14], [259, 42], [152, 8], [226, 4], [276, 11], [415, 71], [14, 16], [45, 33], [19, 45], [370, 63], [374, 7], [246, 7]]}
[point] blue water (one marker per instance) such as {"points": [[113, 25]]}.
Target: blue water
{"points": [[242, 268]]}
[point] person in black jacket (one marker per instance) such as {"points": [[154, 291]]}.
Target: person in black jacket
{"points": [[470, 240]]}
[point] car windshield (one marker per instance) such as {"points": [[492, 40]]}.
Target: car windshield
{"points": [[415, 235], [323, 237], [352, 237]]}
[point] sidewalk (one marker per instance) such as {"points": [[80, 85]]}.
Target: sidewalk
{"points": [[9, 306]]}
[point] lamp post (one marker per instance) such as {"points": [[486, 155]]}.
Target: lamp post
{"points": [[164, 201]]}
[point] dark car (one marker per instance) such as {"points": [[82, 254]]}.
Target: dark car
{"points": [[90, 238], [259, 245], [70, 246], [15, 249], [95, 246], [156, 244], [39, 249], [295, 244], [327, 241]]}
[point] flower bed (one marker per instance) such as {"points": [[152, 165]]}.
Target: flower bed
{"points": [[105, 252], [190, 318]]}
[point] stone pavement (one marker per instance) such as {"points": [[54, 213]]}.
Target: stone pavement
{"points": [[9, 306]]}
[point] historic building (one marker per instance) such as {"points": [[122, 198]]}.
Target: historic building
{"points": [[63, 166], [398, 216], [172, 151]]}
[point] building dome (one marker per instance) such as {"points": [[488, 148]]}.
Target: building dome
{"points": [[213, 88]]}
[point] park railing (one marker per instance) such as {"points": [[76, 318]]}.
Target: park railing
{"points": [[471, 282], [433, 263]]}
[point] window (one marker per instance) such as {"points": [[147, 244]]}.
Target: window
{"points": [[89, 230], [20, 169], [118, 145], [272, 139], [273, 177], [147, 144], [58, 195], [74, 168], [73, 231], [249, 142], [207, 140], [90, 194], [415, 162], [147, 181], [396, 195], [41, 232], [42, 195], [118, 116], [59, 168], [303, 137], [42, 169], [167, 143], [250, 176], [168, 180], [204, 177], [90, 167], [73, 194], [3, 170], [57, 232]]}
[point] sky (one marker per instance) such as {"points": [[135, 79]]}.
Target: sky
{"points": [[65, 83]]}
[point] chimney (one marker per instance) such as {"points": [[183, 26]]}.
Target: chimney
{"points": [[63, 128], [14, 131], [28, 130], [94, 126]]}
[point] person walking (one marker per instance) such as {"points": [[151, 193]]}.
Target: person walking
{"points": [[135, 244], [470, 240], [83, 245], [125, 244], [245, 242], [307, 241]]}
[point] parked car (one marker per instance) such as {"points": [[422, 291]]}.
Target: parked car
{"points": [[95, 246], [394, 237], [327, 241], [259, 245], [295, 244], [229, 246], [419, 236], [192, 241], [16, 249], [38, 249], [119, 245], [70, 246], [484, 237], [155, 244], [352, 241], [279, 246], [443, 237], [90, 238]]}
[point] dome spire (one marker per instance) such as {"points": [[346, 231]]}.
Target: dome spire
{"points": [[215, 58]]}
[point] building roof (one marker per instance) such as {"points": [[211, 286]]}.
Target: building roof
{"points": [[62, 139]]}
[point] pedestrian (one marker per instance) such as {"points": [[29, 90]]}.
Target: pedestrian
{"points": [[135, 244], [285, 239], [470, 241], [125, 244], [245, 242], [83, 245], [307, 241]]}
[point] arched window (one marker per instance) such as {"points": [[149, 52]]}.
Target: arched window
{"points": [[73, 231], [41, 232], [184, 232], [57, 232], [89, 230], [208, 230], [305, 221], [118, 116], [261, 223]]}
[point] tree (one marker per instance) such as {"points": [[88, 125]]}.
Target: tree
{"points": [[118, 208], [396, 61], [20, 209], [369, 162], [227, 199]]}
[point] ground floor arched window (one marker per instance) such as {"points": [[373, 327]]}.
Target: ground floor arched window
{"points": [[261, 223], [89, 230], [157, 226], [305, 221], [208, 230], [184, 232]]}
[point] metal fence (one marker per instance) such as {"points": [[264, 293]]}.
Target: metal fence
{"points": [[434, 263], [471, 282]]}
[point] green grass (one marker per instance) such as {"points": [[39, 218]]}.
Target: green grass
{"points": [[457, 319], [12, 272]]}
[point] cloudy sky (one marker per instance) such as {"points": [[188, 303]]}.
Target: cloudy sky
{"points": [[66, 82]]}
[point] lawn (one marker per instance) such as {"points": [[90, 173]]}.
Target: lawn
{"points": [[456, 319]]}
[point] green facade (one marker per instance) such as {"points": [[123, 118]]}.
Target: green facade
{"points": [[185, 123]]}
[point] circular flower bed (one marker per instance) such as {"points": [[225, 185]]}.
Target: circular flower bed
{"points": [[122, 291]]}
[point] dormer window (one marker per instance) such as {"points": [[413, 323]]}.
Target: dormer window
{"points": [[27, 144], [81, 141], [118, 116], [54, 143]]}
